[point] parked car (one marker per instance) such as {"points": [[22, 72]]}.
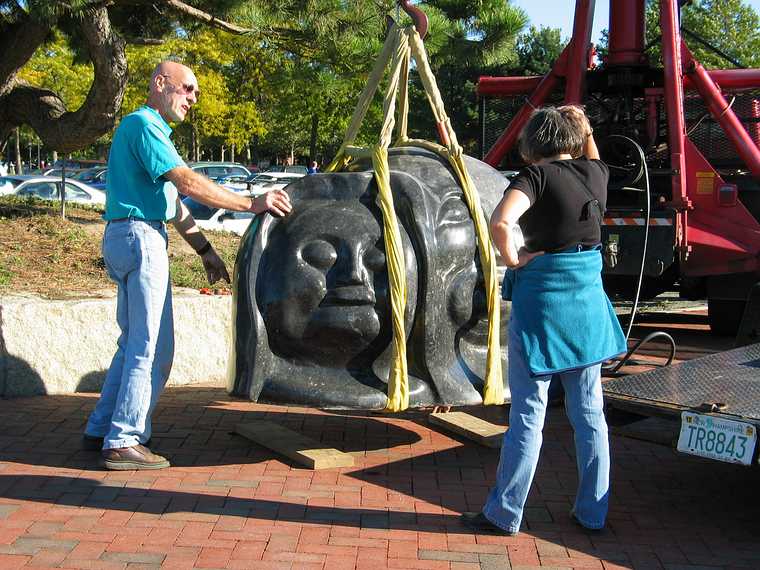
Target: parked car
{"points": [[218, 219], [262, 183], [54, 171], [295, 168], [95, 177], [78, 163], [9, 183], [229, 174], [49, 188]]}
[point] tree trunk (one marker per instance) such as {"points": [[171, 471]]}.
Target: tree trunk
{"points": [[18, 152], [43, 109], [193, 139], [313, 141], [63, 187], [17, 44], [232, 153], [222, 154]]}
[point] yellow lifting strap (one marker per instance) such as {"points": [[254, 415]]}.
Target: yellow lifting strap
{"points": [[400, 45]]}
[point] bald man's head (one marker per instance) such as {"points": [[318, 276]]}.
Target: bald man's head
{"points": [[173, 90]]}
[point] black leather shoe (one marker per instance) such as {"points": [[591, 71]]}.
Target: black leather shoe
{"points": [[583, 526], [94, 443], [480, 524], [130, 458]]}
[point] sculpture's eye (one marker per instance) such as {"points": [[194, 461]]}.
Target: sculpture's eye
{"points": [[453, 211], [320, 254], [374, 259]]}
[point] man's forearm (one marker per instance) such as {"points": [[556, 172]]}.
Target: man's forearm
{"points": [[187, 229], [203, 190]]}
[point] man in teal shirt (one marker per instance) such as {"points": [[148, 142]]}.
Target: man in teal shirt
{"points": [[145, 173]]}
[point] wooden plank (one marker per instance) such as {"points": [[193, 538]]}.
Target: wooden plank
{"points": [[471, 427], [294, 445]]}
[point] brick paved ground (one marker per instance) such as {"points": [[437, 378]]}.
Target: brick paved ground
{"points": [[227, 503]]}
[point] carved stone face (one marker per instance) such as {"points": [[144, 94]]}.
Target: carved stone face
{"points": [[313, 322], [325, 300]]}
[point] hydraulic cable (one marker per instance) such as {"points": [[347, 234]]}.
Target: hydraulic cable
{"points": [[612, 369]]}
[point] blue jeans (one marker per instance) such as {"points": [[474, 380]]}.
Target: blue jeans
{"points": [[522, 442], [136, 259]]}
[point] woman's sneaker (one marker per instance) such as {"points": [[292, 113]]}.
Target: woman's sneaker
{"points": [[480, 524]]}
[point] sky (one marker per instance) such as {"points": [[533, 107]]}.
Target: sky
{"points": [[559, 14]]}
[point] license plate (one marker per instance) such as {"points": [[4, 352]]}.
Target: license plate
{"points": [[717, 438]]}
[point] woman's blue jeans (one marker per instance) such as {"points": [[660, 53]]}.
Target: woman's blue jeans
{"points": [[135, 256], [522, 442]]}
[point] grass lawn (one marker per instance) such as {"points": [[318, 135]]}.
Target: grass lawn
{"points": [[44, 254]]}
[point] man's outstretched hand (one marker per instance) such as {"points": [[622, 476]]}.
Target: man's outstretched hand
{"points": [[277, 202]]}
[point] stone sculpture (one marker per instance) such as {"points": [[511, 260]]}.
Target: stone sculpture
{"points": [[312, 315]]}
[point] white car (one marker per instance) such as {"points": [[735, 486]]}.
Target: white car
{"points": [[231, 175], [49, 188], [218, 219], [266, 181]]}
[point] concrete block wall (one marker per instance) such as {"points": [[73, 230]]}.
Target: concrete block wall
{"points": [[63, 347]]}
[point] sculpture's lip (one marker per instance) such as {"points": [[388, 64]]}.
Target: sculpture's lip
{"points": [[348, 296]]}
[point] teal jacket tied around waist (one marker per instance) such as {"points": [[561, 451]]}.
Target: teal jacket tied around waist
{"points": [[561, 313]]}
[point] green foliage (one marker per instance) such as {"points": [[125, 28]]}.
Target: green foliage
{"points": [[5, 276], [467, 39], [537, 50], [730, 25], [303, 65]]}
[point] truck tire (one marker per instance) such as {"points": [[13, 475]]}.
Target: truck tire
{"points": [[725, 315]]}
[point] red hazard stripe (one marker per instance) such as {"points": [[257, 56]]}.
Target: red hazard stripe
{"points": [[637, 222]]}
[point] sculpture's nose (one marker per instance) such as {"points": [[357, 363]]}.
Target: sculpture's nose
{"points": [[349, 268]]}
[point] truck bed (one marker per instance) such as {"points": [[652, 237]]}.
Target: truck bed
{"points": [[731, 378]]}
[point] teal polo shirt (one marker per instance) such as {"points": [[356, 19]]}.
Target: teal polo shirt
{"points": [[141, 153]]}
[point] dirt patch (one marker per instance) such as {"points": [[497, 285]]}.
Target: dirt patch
{"points": [[42, 253]]}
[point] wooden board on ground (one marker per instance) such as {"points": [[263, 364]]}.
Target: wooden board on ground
{"points": [[471, 427], [294, 445]]}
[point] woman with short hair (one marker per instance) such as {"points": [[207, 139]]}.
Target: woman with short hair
{"points": [[562, 324]]}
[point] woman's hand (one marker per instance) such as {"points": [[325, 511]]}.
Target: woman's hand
{"points": [[506, 214], [579, 117], [524, 257]]}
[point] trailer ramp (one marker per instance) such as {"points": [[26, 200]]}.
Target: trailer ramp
{"points": [[717, 398]]}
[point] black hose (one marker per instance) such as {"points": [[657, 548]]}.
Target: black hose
{"points": [[611, 369]]}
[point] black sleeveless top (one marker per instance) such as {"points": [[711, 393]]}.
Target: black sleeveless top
{"points": [[558, 218]]}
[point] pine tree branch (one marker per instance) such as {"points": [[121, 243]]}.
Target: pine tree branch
{"points": [[211, 20]]}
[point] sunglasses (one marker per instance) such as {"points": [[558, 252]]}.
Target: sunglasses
{"points": [[186, 88]]}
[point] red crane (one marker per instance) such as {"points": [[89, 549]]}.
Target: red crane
{"points": [[702, 151]]}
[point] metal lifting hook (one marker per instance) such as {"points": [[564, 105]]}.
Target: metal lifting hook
{"points": [[418, 17]]}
